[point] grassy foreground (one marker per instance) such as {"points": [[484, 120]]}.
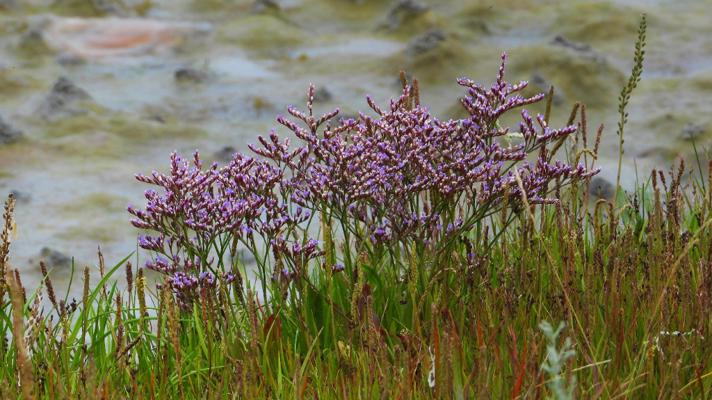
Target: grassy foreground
{"points": [[633, 285]]}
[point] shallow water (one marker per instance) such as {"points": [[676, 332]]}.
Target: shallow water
{"points": [[76, 172]]}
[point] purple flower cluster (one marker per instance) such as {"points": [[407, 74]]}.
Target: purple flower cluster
{"points": [[200, 214], [187, 286], [209, 202], [398, 175], [401, 172]]}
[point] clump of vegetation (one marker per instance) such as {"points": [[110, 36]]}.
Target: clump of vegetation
{"points": [[403, 186], [396, 256]]}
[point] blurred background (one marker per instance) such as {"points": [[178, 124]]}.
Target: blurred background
{"points": [[94, 91]]}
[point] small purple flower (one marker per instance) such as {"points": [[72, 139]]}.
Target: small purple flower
{"points": [[151, 243], [160, 264], [229, 277]]}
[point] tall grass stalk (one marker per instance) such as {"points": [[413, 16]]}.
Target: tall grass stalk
{"points": [[627, 91]]}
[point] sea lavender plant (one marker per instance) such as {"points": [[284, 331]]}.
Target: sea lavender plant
{"points": [[402, 179]]}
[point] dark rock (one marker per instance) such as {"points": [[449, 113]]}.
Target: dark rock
{"points": [[225, 154], [403, 11], [192, 75], [8, 133], [55, 258], [156, 118], [583, 49], [322, 94], [426, 42], [569, 44], [63, 100], [69, 60], [692, 131], [601, 188], [108, 7], [265, 5], [68, 91], [478, 26]]}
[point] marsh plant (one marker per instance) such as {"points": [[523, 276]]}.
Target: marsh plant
{"points": [[396, 184]]}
